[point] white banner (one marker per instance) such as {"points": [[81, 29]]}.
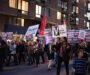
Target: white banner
{"points": [[59, 31], [82, 34], [31, 32]]}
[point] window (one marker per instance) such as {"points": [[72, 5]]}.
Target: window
{"points": [[77, 21], [64, 6], [88, 25], [77, 10], [59, 2], [16, 21], [59, 15], [63, 18], [77, 1], [74, 9], [13, 3], [88, 15], [20, 22], [12, 21], [24, 7], [19, 4], [88, 6], [38, 11], [46, 10]]}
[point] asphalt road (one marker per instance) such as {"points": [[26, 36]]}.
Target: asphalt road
{"points": [[24, 69]]}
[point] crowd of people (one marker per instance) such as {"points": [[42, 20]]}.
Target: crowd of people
{"points": [[38, 52]]}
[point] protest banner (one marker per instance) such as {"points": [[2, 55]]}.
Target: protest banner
{"points": [[4, 35], [47, 32], [59, 31], [73, 36], [87, 37], [31, 32], [81, 35], [9, 35]]}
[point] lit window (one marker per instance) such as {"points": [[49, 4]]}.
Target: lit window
{"points": [[88, 25], [16, 21], [24, 7], [59, 15], [77, 10], [88, 15], [19, 4], [77, 21], [38, 11], [13, 3], [88, 6], [77, 1], [20, 22]]}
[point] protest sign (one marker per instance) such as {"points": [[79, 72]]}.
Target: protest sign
{"points": [[59, 31], [31, 32]]}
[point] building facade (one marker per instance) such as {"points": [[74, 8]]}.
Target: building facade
{"points": [[88, 14], [17, 15]]}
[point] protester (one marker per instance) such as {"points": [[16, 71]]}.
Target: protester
{"points": [[12, 52], [21, 52], [36, 51], [41, 51], [30, 53], [2, 53], [80, 65], [50, 57], [63, 56]]}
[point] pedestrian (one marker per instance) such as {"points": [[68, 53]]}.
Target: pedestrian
{"points": [[63, 56], [12, 52], [21, 52], [30, 53], [50, 57], [36, 51], [41, 51], [79, 64], [2, 53]]}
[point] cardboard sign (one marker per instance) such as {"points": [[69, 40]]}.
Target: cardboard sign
{"points": [[59, 31], [82, 34], [31, 32]]}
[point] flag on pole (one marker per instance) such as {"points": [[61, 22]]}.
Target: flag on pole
{"points": [[65, 21], [43, 24]]}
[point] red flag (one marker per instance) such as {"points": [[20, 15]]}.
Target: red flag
{"points": [[65, 21], [43, 24]]}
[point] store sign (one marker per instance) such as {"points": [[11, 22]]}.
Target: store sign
{"points": [[59, 31]]}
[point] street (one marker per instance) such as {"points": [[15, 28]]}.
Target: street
{"points": [[24, 69]]}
